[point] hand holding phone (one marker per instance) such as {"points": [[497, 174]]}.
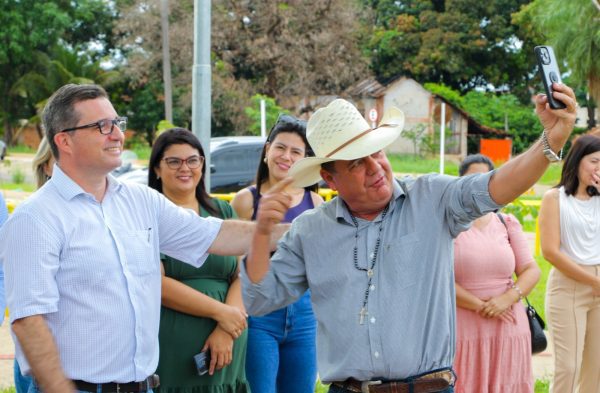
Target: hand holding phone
{"points": [[202, 361], [549, 72]]}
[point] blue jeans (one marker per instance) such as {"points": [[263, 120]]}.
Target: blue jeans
{"points": [[337, 389], [282, 354], [22, 382]]}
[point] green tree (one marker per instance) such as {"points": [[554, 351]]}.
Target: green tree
{"points": [[417, 134], [272, 111], [285, 50], [460, 43], [495, 110], [30, 26], [143, 104], [52, 70], [573, 29]]}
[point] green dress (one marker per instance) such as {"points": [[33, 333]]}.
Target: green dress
{"points": [[181, 336]]}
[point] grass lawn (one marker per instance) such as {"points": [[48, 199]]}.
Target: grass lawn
{"points": [[407, 163], [537, 296], [20, 149], [28, 187]]}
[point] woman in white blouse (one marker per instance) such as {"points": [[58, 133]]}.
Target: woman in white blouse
{"points": [[570, 235]]}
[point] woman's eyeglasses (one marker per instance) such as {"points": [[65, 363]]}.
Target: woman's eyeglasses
{"points": [[192, 162]]}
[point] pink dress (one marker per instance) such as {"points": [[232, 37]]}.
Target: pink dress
{"points": [[492, 356]]}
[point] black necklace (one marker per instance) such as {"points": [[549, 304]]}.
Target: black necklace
{"points": [[363, 311]]}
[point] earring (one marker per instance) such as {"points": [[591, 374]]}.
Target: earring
{"points": [[157, 177], [265, 160]]}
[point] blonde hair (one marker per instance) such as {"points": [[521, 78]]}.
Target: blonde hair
{"points": [[42, 158]]}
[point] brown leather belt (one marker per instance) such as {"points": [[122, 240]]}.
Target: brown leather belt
{"points": [[428, 383], [112, 387]]}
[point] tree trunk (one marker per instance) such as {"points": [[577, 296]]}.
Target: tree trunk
{"points": [[8, 132], [591, 112]]}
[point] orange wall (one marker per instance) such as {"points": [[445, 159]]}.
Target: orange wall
{"points": [[499, 150]]}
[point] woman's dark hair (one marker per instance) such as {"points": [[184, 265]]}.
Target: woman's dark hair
{"points": [[284, 123], [179, 136], [569, 177], [474, 159]]}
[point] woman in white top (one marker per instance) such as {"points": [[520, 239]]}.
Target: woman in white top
{"points": [[570, 235]]}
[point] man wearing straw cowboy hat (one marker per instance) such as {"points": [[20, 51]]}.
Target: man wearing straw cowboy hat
{"points": [[379, 258]]}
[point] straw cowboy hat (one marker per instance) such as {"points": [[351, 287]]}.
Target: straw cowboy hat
{"points": [[339, 132]]}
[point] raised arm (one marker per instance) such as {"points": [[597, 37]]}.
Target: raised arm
{"points": [[235, 236], [273, 206], [41, 353], [519, 174]]}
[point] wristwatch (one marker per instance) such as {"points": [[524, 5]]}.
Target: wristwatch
{"points": [[550, 155]]}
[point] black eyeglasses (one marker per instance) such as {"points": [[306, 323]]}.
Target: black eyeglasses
{"points": [[105, 126], [192, 162]]}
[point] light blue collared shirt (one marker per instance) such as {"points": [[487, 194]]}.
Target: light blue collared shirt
{"points": [[410, 328], [92, 269]]}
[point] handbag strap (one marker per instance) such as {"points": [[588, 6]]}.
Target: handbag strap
{"points": [[508, 235]]}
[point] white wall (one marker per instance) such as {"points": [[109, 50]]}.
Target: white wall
{"points": [[413, 100]]}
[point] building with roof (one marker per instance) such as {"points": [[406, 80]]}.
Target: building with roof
{"points": [[422, 109]]}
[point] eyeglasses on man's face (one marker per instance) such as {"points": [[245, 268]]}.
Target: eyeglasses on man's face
{"points": [[192, 162], [105, 126]]}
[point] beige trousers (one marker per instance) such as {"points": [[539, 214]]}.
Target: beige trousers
{"points": [[573, 316]]}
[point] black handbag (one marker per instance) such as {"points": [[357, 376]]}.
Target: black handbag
{"points": [[536, 325]]}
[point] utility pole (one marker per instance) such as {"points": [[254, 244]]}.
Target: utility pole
{"points": [[201, 80], [164, 23]]}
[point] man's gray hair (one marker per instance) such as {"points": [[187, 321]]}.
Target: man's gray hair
{"points": [[59, 112]]}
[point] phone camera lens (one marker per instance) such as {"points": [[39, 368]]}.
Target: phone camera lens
{"points": [[545, 56]]}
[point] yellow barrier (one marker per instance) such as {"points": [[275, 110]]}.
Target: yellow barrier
{"points": [[326, 193], [224, 197]]}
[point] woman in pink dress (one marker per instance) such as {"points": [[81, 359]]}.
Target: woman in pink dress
{"points": [[493, 342]]}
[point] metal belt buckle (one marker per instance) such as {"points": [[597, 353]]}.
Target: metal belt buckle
{"points": [[364, 385]]}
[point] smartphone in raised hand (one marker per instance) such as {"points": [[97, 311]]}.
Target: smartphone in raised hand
{"points": [[549, 72]]}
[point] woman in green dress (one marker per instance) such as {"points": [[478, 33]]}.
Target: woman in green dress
{"points": [[202, 307]]}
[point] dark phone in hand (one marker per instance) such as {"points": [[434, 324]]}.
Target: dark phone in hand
{"points": [[549, 72], [202, 361]]}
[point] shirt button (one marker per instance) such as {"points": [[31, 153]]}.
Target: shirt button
{"points": [[373, 319], [376, 354], [372, 255], [372, 287]]}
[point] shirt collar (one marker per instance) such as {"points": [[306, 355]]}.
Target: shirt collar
{"points": [[342, 212], [69, 189]]}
